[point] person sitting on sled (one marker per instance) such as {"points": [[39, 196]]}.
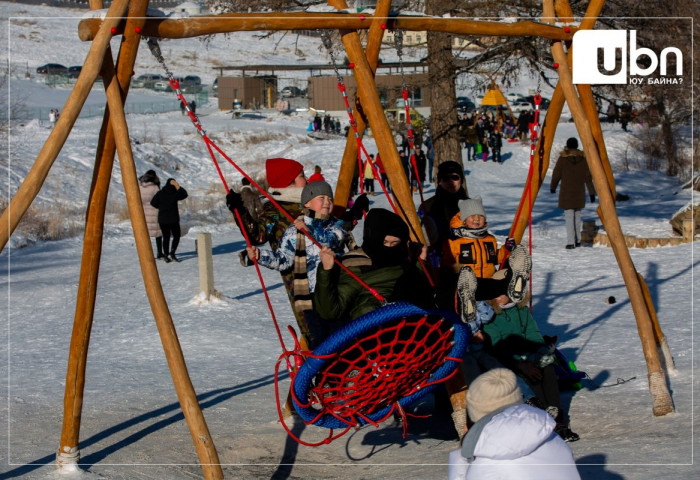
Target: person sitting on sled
{"points": [[474, 253], [382, 262], [297, 252], [514, 339]]}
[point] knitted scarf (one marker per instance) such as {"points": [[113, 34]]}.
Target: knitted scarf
{"points": [[464, 232], [303, 300]]}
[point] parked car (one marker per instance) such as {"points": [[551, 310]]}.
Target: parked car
{"points": [[464, 104], [291, 91], [147, 80], [514, 97], [520, 106], [164, 84], [191, 84], [74, 71], [191, 80], [52, 69]]}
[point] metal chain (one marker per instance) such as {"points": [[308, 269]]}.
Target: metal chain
{"points": [[154, 47]]}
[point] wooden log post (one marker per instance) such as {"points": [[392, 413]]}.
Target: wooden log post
{"points": [[68, 451], [661, 398], [208, 457], [661, 340], [289, 21], [349, 161], [206, 265], [28, 190]]}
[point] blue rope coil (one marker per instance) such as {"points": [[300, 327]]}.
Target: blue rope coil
{"points": [[350, 335]]}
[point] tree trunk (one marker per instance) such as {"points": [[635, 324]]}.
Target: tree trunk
{"points": [[441, 74]]}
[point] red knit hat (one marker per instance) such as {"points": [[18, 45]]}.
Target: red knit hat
{"points": [[281, 172]]}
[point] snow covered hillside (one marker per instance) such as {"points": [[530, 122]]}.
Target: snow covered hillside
{"points": [[132, 426]]}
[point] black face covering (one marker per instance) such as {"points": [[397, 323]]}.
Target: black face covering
{"points": [[378, 224]]}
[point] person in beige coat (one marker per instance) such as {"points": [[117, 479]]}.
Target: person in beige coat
{"points": [[149, 184]]}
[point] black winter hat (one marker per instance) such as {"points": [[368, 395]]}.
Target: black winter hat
{"points": [[572, 143], [378, 224], [381, 222], [448, 167]]}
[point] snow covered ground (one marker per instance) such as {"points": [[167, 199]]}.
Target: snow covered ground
{"points": [[132, 426]]}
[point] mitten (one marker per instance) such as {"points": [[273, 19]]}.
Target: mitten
{"points": [[592, 197], [510, 244], [234, 201], [360, 206], [545, 360], [552, 190]]}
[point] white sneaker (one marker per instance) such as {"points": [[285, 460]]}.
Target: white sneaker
{"points": [[520, 265]]}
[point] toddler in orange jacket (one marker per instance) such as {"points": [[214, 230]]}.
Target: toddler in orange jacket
{"points": [[475, 252]]}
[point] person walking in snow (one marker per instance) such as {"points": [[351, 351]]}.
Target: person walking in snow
{"points": [[572, 171], [166, 200], [509, 440], [149, 185]]}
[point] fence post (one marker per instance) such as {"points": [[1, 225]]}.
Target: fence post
{"points": [[206, 264]]}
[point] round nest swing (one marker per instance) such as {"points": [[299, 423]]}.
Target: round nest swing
{"points": [[393, 355]]}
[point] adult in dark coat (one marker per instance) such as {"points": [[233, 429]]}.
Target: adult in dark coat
{"points": [[437, 212], [169, 215], [572, 171]]}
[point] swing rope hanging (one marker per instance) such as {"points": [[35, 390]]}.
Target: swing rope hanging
{"points": [[368, 369]]}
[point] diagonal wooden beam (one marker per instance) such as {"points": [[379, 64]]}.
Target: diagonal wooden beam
{"points": [[349, 161], [92, 247], [204, 445], [545, 141], [36, 176], [662, 403]]}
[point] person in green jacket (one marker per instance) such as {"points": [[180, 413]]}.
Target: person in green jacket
{"points": [[515, 340], [382, 263]]}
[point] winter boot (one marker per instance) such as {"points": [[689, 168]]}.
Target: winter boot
{"points": [[173, 258], [565, 433], [159, 248], [520, 266], [466, 293]]}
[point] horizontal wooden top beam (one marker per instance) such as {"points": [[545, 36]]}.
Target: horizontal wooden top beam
{"points": [[227, 23]]}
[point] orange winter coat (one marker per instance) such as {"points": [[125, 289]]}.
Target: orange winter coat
{"points": [[481, 254]]}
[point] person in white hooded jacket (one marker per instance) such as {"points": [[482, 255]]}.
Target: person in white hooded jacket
{"points": [[509, 439]]}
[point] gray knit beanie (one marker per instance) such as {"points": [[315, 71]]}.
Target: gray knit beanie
{"points": [[314, 189], [469, 207], [492, 390]]}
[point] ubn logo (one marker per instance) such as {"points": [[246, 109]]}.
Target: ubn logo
{"points": [[612, 44]]}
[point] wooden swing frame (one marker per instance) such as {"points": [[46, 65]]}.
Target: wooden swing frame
{"points": [[128, 19]]}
